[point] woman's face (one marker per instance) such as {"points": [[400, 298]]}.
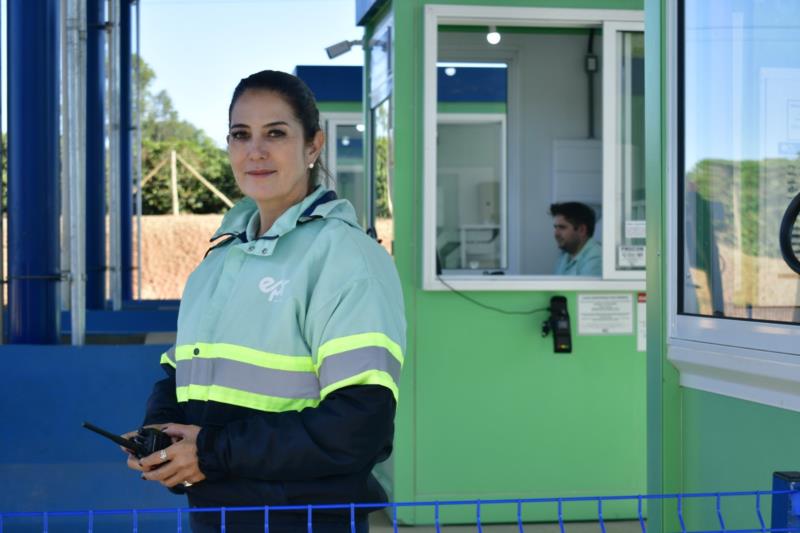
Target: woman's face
{"points": [[267, 150]]}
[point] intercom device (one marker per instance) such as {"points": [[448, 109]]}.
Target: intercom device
{"points": [[558, 323]]}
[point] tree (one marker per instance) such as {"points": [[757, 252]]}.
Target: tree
{"points": [[164, 131]]}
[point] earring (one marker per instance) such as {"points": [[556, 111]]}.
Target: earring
{"points": [[311, 165]]}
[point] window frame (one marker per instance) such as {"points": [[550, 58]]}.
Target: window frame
{"points": [[749, 360], [437, 15], [610, 171], [331, 121]]}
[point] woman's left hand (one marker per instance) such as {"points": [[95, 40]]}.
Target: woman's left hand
{"points": [[177, 464]]}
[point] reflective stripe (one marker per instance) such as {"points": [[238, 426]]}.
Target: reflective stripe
{"points": [[168, 357], [370, 377], [341, 366], [233, 352], [354, 342], [247, 378], [241, 398]]}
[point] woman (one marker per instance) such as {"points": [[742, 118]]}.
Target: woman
{"points": [[283, 381]]}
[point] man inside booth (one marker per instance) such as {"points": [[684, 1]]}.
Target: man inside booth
{"points": [[573, 227]]}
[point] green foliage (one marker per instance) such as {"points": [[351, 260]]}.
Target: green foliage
{"points": [[742, 218], [164, 131], [382, 157]]}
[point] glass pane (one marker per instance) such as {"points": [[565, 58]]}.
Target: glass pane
{"points": [[471, 236], [350, 183], [469, 181], [382, 168], [630, 230], [740, 164]]}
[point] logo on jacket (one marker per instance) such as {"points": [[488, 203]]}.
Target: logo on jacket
{"points": [[273, 287]]}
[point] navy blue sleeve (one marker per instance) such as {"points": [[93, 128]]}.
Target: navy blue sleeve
{"points": [[162, 405], [351, 429]]}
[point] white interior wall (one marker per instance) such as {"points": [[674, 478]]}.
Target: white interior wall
{"points": [[552, 105]]}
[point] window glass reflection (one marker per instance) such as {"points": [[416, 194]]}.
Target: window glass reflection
{"points": [[741, 156], [382, 168], [350, 182], [630, 230]]}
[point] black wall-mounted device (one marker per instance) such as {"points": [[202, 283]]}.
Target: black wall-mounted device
{"points": [[558, 323]]}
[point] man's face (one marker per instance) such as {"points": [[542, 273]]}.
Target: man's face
{"points": [[568, 237]]}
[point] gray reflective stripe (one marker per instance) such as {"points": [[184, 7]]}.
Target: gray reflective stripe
{"points": [[248, 378], [171, 354], [353, 362]]}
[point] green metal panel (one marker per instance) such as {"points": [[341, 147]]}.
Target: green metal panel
{"points": [[664, 465], [340, 107], [487, 410], [697, 441], [731, 444]]}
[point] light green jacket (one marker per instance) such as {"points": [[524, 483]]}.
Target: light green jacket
{"points": [[278, 322]]}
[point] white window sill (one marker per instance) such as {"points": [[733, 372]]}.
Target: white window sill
{"points": [[530, 283], [768, 378]]}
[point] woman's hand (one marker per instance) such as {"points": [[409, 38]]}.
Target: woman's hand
{"points": [[177, 464]]}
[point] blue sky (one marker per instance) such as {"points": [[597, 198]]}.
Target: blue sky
{"points": [[200, 49]]}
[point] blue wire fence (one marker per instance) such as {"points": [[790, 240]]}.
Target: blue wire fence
{"points": [[784, 508]]}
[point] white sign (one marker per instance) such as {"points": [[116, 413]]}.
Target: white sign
{"points": [[631, 256], [641, 322], [605, 314], [635, 229]]}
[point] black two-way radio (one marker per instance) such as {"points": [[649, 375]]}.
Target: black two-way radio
{"points": [[145, 442]]}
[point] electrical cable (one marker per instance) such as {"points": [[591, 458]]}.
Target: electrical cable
{"points": [[490, 307]]}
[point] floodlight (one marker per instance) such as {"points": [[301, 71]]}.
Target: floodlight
{"points": [[342, 47]]}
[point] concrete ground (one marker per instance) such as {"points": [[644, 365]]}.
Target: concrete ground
{"points": [[380, 522]]}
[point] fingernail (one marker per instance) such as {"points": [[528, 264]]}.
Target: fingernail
{"points": [[143, 477]]}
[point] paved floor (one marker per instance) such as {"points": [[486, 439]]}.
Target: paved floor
{"points": [[381, 523]]}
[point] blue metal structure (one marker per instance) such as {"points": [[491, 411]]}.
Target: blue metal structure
{"points": [[33, 199], [126, 166], [345, 83], [95, 155], [47, 460]]}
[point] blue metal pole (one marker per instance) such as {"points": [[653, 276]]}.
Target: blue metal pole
{"points": [[126, 167], [95, 155], [33, 193]]}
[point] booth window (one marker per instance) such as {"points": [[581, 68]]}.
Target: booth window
{"points": [[549, 115], [344, 156], [733, 308], [739, 159], [380, 214]]}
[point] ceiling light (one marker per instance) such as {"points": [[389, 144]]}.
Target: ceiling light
{"points": [[493, 37]]}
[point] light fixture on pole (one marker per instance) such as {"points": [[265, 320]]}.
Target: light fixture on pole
{"points": [[493, 37], [342, 47]]}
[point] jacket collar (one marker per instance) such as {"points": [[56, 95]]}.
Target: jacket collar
{"points": [[243, 218]]}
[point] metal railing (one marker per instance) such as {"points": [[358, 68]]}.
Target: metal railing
{"points": [[785, 509]]}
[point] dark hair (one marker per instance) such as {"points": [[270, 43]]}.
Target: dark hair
{"points": [[299, 97], [576, 214]]}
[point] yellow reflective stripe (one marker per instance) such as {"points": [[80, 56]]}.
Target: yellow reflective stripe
{"points": [[354, 342], [165, 360], [370, 377], [262, 402], [234, 352]]}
